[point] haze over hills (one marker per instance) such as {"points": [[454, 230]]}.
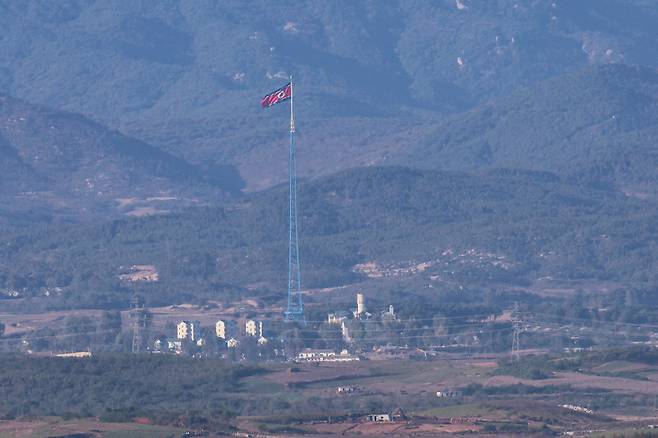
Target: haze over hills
{"points": [[63, 165], [187, 76], [597, 124]]}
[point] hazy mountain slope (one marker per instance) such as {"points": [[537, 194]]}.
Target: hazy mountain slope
{"points": [[189, 74], [16, 174], [66, 163], [445, 229], [600, 123]]}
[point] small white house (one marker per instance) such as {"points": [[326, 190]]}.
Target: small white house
{"points": [[379, 418]]}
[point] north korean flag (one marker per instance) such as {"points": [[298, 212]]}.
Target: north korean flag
{"points": [[277, 96]]}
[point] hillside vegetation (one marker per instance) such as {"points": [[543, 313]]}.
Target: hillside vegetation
{"points": [[62, 166], [507, 227], [595, 125]]}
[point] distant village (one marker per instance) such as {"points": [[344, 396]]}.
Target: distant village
{"points": [[248, 339]]}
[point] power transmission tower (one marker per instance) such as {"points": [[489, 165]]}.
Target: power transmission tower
{"points": [[295, 308], [139, 316], [515, 336]]}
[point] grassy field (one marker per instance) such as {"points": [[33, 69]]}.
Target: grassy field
{"points": [[465, 410], [640, 432], [55, 426]]}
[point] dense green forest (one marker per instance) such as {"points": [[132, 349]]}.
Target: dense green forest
{"points": [[499, 227], [121, 387], [168, 390]]}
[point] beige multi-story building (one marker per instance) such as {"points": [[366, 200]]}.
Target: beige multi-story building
{"points": [[220, 329], [361, 312], [360, 304], [187, 330], [251, 328]]}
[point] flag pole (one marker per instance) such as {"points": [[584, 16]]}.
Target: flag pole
{"points": [[292, 117], [295, 310]]}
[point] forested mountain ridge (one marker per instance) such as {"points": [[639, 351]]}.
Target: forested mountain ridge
{"points": [[500, 227], [66, 166], [188, 75], [597, 124], [594, 126]]}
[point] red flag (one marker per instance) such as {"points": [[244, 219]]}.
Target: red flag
{"points": [[277, 96]]}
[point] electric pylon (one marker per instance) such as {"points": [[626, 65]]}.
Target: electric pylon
{"points": [[139, 316], [515, 336]]}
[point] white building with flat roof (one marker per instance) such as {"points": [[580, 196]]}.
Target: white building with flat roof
{"points": [[317, 355]]}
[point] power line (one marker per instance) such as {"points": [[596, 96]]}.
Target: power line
{"points": [[389, 338], [595, 321], [374, 321], [27, 337]]}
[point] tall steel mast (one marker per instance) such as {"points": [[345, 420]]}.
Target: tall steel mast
{"points": [[295, 309]]}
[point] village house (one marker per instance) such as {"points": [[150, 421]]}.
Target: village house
{"points": [[337, 317], [342, 390], [317, 355], [397, 415], [175, 347], [449, 393], [379, 418]]}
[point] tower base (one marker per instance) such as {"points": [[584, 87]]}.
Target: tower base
{"points": [[294, 315]]}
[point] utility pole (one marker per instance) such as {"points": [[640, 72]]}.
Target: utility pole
{"points": [[515, 336]]}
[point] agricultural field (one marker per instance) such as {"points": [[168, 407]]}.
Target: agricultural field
{"points": [[160, 395], [55, 426], [486, 398]]}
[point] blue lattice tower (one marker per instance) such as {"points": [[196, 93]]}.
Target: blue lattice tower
{"points": [[295, 308]]}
